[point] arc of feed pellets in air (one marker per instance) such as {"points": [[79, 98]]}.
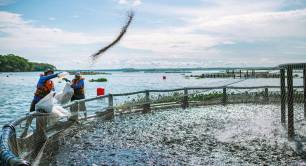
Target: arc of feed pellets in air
{"points": [[121, 34]]}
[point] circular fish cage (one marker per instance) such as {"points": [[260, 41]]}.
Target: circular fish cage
{"points": [[186, 126]]}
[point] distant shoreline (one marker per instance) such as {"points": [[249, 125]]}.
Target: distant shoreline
{"points": [[171, 70], [14, 63]]}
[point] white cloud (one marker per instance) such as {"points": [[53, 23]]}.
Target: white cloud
{"points": [[22, 34], [225, 22], [169, 42], [253, 25], [194, 38]]}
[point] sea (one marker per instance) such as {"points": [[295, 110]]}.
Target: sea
{"points": [[17, 88]]}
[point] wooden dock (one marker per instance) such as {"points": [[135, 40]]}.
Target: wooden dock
{"points": [[239, 74]]}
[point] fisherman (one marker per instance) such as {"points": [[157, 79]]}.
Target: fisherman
{"points": [[44, 86], [78, 87], [78, 93]]}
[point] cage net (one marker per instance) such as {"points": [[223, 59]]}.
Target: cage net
{"points": [[35, 132]]}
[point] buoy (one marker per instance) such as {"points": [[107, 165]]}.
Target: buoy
{"points": [[164, 77], [100, 91]]}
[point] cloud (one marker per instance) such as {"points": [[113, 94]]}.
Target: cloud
{"points": [[256, 25], [23, 34], [214, 33], [130, 2], [169, 42], [206, 27]]}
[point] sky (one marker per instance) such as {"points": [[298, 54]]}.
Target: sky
{"points": [[164, 33]]}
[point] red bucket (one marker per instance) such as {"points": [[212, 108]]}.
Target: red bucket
{"points": [[100, 91]]}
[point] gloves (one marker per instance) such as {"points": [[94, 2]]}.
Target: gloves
{"points": [[62, 74], [65, 79]]}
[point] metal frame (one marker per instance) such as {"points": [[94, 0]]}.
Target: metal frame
{"points": [[289, 98]]}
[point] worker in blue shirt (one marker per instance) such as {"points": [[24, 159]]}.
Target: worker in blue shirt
{"points": [[78, 87], [78, 93], [44, 86]]}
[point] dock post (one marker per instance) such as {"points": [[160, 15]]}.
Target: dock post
{"points": [[41, 124], [185, 103], [240, 73], [304, 84], [147, 106], [224, 100], [290, 103], [40, 133], [283, 95], [266, 95], [109, 113], [74, 109]]}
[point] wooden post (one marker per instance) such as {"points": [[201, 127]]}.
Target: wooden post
{"points": [[110, 101], [290, 103], [40, 133], [304, 80], [41, 125], [147, 106], [224, 100], [283, 95], [109, 113], [266, 95], [240, 73], [185, 103], [74, 109]]}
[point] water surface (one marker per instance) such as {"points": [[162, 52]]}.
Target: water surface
{"points": [[17, 89]]}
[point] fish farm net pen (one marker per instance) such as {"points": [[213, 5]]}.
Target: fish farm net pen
{"points": [[37, 136]]}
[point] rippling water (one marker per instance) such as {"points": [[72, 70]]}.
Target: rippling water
{"points": [[16, 89]]}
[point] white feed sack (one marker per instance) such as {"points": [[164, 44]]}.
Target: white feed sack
{"points": [[65, 95], [52, 102], [46, 103]]}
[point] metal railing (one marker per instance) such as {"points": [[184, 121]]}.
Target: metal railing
{"points": [[31, 146]]}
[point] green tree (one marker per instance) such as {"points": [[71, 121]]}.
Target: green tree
{"points": [[14, 63]]}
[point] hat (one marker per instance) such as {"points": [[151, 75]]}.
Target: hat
{"points": [[78, 74], [47, 70]]}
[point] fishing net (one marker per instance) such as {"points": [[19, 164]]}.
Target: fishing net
{"points": [[38, 135]]}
